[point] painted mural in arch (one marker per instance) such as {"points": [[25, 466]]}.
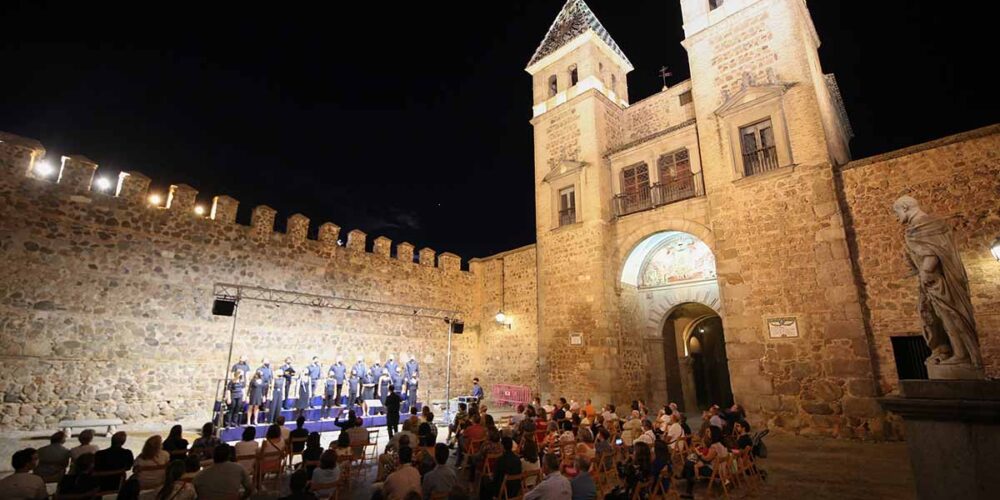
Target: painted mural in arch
{"points": [[679, 258]]}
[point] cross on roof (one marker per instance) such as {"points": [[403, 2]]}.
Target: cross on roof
{"points": [[664, 73]]}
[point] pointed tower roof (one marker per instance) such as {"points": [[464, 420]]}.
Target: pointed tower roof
{"points": [[573, 20]]}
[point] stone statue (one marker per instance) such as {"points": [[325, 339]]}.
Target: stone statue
{"points": [[945, 305]]}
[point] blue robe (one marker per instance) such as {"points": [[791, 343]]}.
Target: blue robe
{"points": [[390, 366], [339, 372], [411, 369], [304, 393]]}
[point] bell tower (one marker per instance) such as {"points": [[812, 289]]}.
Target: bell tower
{"points": [[579, 92]]}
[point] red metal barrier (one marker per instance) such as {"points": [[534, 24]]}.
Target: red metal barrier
{"points": [[504, 394]]}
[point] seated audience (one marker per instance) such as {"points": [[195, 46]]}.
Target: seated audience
{"points": [[247, 447], [661, 460], [647, 436], [173, 487], [529, 457], [82, 481], [300, 432], [326, 473], [116, 457], [705, 457], [507, 465], [272, 441], [636, 469], [22, 484], [206, 442], [85, 447], [312, 452], [675, 433], [192, 465], [343, 445], [443, 478], [175, 440], [583, 486], [298, 484], [224, 479], [603, 448], [404, 480], [152, 455], [411, 423], [53, 458], [554, 486], [286, 433]]}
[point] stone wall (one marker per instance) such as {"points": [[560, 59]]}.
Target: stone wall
{"points": [[958, 178], [106, 300], [657, 113]]}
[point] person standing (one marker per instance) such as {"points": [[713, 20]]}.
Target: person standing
{"points": [[359, 370], [315, 371], [328, 394], [368, 385], [338, 371], [376, 371], [390, 366], [242, 366], [237, 388], [396, 378], [412, 368], [302, 401], [267, 376], [289, 372], [256, 397], [477, 390], [277, 396], [392, 405], [411, 391], [383, 386]]}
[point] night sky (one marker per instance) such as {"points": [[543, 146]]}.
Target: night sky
{"points": [[410, 119]]}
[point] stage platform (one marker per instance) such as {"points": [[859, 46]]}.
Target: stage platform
{"points": [[314, 423]]}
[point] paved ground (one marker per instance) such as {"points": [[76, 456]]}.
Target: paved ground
{"points": [[797, 467]]}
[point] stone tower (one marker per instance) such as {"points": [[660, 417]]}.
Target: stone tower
{"points": [[579, 89]]}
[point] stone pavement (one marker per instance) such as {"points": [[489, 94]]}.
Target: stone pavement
{"points": [[820, 468]]}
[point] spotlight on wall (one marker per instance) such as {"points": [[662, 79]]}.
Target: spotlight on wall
{"points": [[501, 317], [199, 210], [995, 249], [155, 199], [102, 184], [44, 169]]}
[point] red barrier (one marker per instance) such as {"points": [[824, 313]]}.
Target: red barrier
{"points": [[513, 395]]}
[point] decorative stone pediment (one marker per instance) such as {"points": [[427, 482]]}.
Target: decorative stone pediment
{"points": [[751, 95], [564, 168]]}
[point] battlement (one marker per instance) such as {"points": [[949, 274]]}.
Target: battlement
{"points": [[24, 165]]}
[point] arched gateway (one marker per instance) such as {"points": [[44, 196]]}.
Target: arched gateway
{"points": [[670, 278]]}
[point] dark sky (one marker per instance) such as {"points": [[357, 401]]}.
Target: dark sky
{"points": [[410, 119]]}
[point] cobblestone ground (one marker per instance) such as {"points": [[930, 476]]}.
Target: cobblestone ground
{"points": [[798, 467]]}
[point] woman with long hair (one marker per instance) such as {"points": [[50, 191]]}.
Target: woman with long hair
{"points": [[256, 397], [637, 469], [173, 488], [702, 458], [175, 440], [152, 455]]}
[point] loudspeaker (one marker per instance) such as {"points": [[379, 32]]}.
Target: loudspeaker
{"points": [[223, 307], [457, 327]]}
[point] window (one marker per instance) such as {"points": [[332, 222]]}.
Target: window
{"points": [[910, 353], [714, 4], [553, 85], [677, 182], [685, 98], [758, 148], [635, 194], [674, 165], [574, 75], [567, 206]]}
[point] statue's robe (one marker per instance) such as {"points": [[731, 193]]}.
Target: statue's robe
{"points": [[945, 303]]}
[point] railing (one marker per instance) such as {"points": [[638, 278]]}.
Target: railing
{"points": [[647, 197], [507, 394], [567, 216], [760, 161]]}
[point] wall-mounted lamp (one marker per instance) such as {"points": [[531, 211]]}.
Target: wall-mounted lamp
{"points": [[995, 249], [502, 318]]}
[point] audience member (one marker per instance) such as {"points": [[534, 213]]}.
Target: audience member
{"points": [[53, 458], [326, 473], [637, 469], [507, 465], [173, 487], [151, 456], [583, 487], [115, 457], [343, 445], [661, 460], [404, 480], [529, 456], [412, 422], [298, 484], [554, 486], [224, 478], [300, 432], [312, 452], [22, 484], [85, 447], [248, 448], [82, 481], [443, 478], [704, 458], [175, 440], [272, 440], [207, 441]]}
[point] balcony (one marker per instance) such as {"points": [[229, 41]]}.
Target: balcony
{"points": [[567, 216], [664, 193], [760, 161]]}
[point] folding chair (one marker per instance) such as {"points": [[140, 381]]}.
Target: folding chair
{"points": [[249, 462], [372, 448], [658, 492], [644, 486], [269, 462], [100, 475], [721, 468], [290, 452], [507, 478]]}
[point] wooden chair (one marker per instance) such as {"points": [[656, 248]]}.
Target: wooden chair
{"points": [[642, 487], [372, 449], [530, 480], [269, 462], [745, 470], [178, 455], [249, 462], [658, 492], [162, 469], [721, 468], [100, 475], [508, 478], [324, 486], [290, 452]]}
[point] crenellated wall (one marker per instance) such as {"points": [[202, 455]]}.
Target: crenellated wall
{"points": [[105, 298]]}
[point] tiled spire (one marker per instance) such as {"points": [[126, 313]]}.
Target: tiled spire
{"points": [[575, 19]]}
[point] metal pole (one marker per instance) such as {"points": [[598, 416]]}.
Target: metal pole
{"points": [[447, 386], [229, 362]]}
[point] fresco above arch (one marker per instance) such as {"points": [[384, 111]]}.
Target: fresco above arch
{"points": [[680, 258]]}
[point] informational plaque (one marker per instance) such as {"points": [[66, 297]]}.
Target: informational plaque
{"points": [[783, 328], [576, 338]]}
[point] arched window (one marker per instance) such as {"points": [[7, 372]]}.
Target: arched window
{"points": [[574, 75], [553, 85]]}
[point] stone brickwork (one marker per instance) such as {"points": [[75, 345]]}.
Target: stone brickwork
{"points": [[106, 302], [956, 177], [657, 113]]}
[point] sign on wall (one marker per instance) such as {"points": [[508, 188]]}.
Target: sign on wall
{"points": [[783, 328], [576, 338]]}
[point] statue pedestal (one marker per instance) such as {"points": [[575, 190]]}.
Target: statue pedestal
{"points": [[953, 435], [953, 372]]}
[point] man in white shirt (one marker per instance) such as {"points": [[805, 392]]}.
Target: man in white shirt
{"points": [[85, 447], [675, 432], [632, 428], [555, 486], [22, 484], [715, 418], [405, 479]]}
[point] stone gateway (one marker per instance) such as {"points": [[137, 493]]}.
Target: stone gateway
{"points": [[671, 232]]}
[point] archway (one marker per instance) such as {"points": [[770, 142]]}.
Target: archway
{"points": [[695, 349], [671, 300]]}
